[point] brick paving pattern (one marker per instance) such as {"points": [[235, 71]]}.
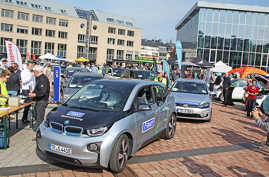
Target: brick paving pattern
{"points": [[229, 128]]}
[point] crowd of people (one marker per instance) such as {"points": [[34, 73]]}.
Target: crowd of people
{"points": [[31, 82]]}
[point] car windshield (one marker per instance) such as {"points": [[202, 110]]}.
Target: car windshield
{"points": [[79, 81], [143, 75], [189, 87], [117, 72], [100, 97], [71, 71]]}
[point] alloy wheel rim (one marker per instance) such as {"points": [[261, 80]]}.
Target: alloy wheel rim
{"points": [[123, 154], [172, 125]]}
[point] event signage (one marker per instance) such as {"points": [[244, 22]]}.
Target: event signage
{"points": [[57, 81], [13, 54], [179, 53]]}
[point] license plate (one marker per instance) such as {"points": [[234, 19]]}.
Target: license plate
{"points": [[184, 111], [58, 148]]}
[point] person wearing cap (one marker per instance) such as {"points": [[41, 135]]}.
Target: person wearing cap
{"points": [[27, 86], [40, 94]]}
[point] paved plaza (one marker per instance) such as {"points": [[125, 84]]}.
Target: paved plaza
{"points": [[229, 145]]}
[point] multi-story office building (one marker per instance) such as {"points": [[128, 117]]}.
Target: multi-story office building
{"points": [[235, 34], [44, 26]]}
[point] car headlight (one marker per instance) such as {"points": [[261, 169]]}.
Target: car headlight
{"points": [[204, 105], [97, 131]]}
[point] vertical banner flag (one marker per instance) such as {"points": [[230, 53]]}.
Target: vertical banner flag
{"points": [[57, 82], [166, 69], [13, 54], [179, 53]]}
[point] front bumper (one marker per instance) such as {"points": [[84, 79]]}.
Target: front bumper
{"points": [[193, 113], [80, 155]]}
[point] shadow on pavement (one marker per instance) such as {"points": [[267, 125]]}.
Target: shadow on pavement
{"points": [[12, 130], [228, 112], [247, 123], [198, 169], [255, 131], [239, 171]]}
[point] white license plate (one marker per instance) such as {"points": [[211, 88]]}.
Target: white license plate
{"points": [[58, 148], [184, 111]]}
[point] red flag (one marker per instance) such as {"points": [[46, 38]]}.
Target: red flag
{"points": [[33, 56], [28, 56]]}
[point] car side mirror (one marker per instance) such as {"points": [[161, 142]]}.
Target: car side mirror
{"points": [[144, 107]]}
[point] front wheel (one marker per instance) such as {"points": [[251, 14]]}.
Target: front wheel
{"points": [[170, 127], [120, 154]]}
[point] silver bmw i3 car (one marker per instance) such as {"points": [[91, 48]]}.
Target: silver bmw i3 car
{"points": [[106, 122]]}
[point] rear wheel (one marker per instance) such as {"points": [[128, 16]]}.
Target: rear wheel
{"points": [[120, 154], [170, 127]]}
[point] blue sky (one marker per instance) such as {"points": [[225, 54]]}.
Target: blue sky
{"points": [[156, 18]]}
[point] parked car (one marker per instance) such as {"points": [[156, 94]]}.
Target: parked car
{"points": [[192, 99], [68, 73], [78, 81], [106, 122]]}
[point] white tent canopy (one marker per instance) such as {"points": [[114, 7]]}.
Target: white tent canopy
{"points": [[49, 56], [187, 63], [221, 67]]}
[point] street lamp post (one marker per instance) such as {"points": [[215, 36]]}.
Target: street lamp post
{"points": [[88, 35]]}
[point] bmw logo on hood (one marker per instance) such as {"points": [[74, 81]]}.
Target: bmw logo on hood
{"points": [[66, 122]]}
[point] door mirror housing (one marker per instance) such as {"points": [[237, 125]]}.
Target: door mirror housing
{"points": [[144, 107]]}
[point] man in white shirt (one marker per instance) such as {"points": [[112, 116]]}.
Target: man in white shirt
{"points": [[28, 85]]}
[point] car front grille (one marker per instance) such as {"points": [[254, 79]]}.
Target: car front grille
{"points": [[68, 130], [189, 115], [186, 105], [60, 157]]}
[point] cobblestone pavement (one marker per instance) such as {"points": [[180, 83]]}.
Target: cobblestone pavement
{"points": [[229, 145]]}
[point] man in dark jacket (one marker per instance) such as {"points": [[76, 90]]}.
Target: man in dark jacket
{"points": [[40, 94], [226, 85], [14, 81]]}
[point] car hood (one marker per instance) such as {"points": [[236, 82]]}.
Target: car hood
{"points": [[188, 98], [86, 119]]}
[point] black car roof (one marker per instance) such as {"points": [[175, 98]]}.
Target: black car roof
{"points": [[91, 74], [125, 82]]}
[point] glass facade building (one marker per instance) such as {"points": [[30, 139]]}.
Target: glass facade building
{"points": [[237, 35]]}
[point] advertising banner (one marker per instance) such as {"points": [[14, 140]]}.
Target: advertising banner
{"points": [[13, 54], [57, 82], [179, 53], [166, 68]]}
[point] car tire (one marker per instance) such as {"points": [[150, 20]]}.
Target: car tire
{"points": [[171, 126], [120, 154]]}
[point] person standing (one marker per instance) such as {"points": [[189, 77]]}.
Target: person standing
{"points": [[211, 81], [226, 85], [40, 95], [28, 85], [3, 90], [14, 81], [252, 92], [48, 72]]}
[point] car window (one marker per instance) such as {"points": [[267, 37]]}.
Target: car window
{"points": [[100, 97], [79, 81], [241, 84], [144, 96], [189, 87], [160, 93]]}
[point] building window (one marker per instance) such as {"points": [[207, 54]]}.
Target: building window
{"points": [[3, 44], [130, 33], [81, 38], [7, 13], [136, 55], [92, 53], [6, 27], [49, 47], [129, 55], [111, 41], [121, 31], [22, 45], [37, 18], [62, 50], [109, 19], [130, 43], [22, 29], [80, 51], [62, 35], [10, 1], [120, 54], [47, 8], [94, 40], [63, 22], [111, 30], [129, 23], [36, 47], [37, 31], [120, 42], [23, 16], [94, 27], [51, 21], [110, 54], [50, 33]]}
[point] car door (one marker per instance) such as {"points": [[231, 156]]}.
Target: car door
{"points": [[146, 120]]}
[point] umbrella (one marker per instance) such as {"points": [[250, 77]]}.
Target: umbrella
{"points": [[81, 59], [245, 71], [221, 67], [187, 63], [204, 64], [50, 57]]}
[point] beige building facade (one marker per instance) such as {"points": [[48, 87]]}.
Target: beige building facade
{"points": [[40, 27]]}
